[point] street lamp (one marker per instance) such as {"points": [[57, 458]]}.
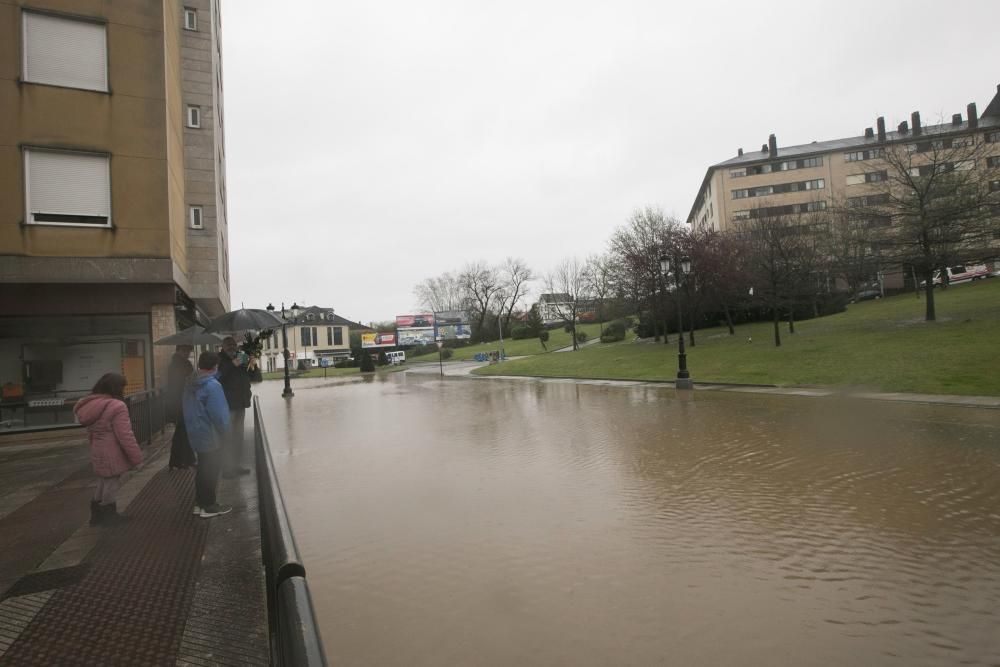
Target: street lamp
{"points": [[681, 268], [287, 393]]}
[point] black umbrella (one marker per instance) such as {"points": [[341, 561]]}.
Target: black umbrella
{"points": [[244, 319], [192, 336]]}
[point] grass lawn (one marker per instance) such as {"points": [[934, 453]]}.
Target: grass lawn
{"points": [[330, 372], [882, 345], [517, 348]]}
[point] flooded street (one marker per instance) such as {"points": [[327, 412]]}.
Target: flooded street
{"points": [[496, 522]]}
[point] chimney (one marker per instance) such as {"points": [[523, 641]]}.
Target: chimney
{"points": [[956, 119], [903, 128], [970, 113], [880, 123], [763, 148], [915, 119], [772, 143], [869, 133], [739, 151]]}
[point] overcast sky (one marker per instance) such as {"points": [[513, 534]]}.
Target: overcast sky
{"points": [[374, 144]]}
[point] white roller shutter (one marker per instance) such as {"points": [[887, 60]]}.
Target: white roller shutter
{"points": [[65, 52], [67, 188]]}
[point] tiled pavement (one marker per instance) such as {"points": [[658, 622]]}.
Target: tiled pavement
{"points": [[166, 588]]}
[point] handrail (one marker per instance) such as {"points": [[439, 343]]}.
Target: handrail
{"points": [[294, 635], [147, 412]]}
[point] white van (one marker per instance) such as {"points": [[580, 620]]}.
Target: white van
{"points": [[395, 358], [963, 273]]}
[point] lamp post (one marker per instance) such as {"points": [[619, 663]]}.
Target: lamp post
{"points": [[287, 393], [681, 268]]}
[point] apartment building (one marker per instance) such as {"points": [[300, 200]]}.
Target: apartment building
{"points": [[113, 226], [317, 333], [778, 180]]}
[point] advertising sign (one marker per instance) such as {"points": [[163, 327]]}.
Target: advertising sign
{"points": [[452, 324], [378, 340], [415, 329]]}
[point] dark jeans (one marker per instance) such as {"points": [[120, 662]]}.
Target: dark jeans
{"points": [[181, 454], [207, 478], [234, 442]]}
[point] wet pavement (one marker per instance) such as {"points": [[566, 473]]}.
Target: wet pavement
{"points": [[166, 588]]}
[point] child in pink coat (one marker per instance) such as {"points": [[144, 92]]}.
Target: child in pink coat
{"points": [[113, 449]]}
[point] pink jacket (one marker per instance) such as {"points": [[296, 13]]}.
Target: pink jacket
{"points": [[113, 449]]}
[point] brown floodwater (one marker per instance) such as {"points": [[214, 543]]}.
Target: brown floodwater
{"points": [[505, 522]]}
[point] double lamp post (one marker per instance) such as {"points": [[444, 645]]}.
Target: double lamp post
{"points": [[294, 312], [682, 267]]}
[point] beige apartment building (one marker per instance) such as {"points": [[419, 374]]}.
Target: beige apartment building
{"points": [[784, 180], [113, 227]]}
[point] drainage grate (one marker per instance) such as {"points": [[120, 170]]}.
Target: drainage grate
{"points": [[47, 580]]}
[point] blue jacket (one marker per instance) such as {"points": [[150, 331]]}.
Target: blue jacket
{"points": [[206, 413]]}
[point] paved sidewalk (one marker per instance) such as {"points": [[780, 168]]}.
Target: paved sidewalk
{"points": [[166, 588]]}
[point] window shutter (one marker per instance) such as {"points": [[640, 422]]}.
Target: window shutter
{"points": [[67, 184], [65, 52]]}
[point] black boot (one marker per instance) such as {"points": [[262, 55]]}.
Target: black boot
{"points": [[95, 513], [111, 517]]}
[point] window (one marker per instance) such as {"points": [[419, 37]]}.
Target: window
{"points": [[304, 336], [67, 188], [871, 200], [992, 137], [741, 215], [993, 162], [329, 335], [193, 116], [190, 19], [338, 335], [65, 52], [195, 217], [857, 156], [737, 173], [963, 142], [855, 179], [314, 339]]}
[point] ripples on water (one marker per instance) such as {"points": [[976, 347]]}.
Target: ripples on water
{"points": [[496, 523]]}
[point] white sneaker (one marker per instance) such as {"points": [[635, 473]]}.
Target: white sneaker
{"points": [[215, 510], [197, 510]]}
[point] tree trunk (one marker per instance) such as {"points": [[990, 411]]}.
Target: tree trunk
{"points": [[729, 319], [691, 330], [929, 290], [791, 320], [777, 329]]}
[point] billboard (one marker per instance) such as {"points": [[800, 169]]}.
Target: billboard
{"points": [[378, 340], [415, 329], [452, 324]]}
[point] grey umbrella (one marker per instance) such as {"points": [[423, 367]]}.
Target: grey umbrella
{"points": [[192, 336], [244, 319]]}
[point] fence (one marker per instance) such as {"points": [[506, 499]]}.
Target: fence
{"points": [[294, 636], [147, 411]]}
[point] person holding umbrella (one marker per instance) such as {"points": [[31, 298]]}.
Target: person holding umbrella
{"points": [[181, 454], [237, 371]]}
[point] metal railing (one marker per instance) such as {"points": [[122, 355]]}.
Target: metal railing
{"points": [[147, 411], [294, 636]]}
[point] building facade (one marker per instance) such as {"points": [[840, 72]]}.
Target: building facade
{"points": [[113, 227], [317, 334], [778, 180]]}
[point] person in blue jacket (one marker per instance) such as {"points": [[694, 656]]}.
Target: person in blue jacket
{"points": [[206, 416]]}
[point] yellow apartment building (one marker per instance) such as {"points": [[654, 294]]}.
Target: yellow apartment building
{"points": [[113, 227]]}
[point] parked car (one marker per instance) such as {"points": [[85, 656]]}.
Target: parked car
{"points": [[867, 295], [961, 273]]}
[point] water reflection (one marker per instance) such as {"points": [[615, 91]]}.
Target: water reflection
{"points": [[449, 521]]}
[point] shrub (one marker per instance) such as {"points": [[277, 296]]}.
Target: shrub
{"points": [[581, 336], [447, 352], [614, 331], [543, 338], [521, 332], [367, 364], [382, 359], [568, 327]]}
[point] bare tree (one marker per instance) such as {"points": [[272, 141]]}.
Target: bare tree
{"points": [[568, 279], [939, 195], [443, 292], [480, 283], [851, 244], [600, 275], [773, 243], [515, 275]]}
